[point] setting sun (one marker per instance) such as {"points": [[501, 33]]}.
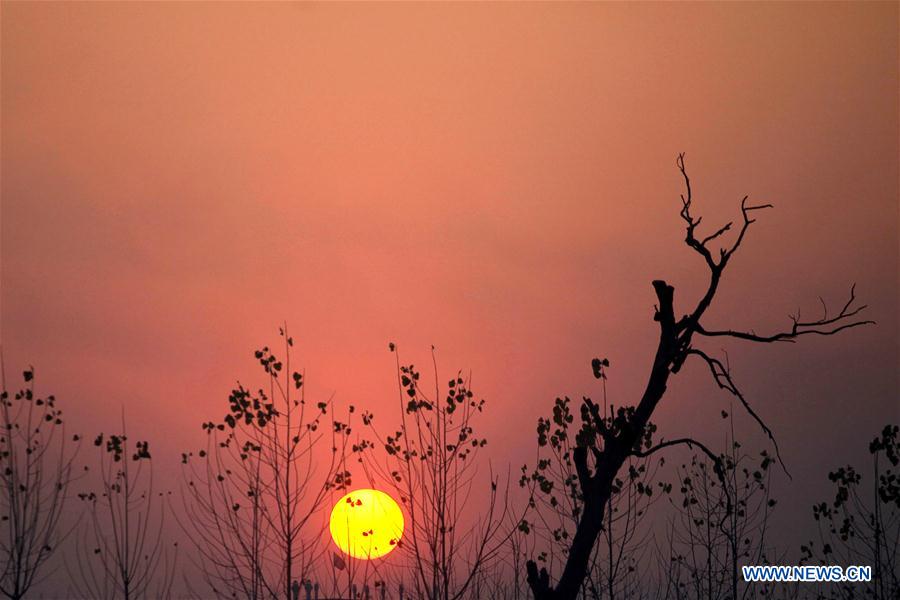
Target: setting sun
{"points": [[366, 524]]}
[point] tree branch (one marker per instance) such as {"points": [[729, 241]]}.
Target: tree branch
{"points": [[690, 443], [745, 212], [673, 348], [701, 245], [716, 267], [722, 376], [823, 326], [692, 223]]}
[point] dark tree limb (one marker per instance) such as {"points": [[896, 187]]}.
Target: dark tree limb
{"points": [[701, 245], [722, 376], [824, 326], [596, 487], [673, 348], [689, 442], [718, 467]]}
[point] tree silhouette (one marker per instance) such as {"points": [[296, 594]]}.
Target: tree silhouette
{"points": [[861, 526], [706, 539], [677, 337], [36, 463], [252, 492], [430, 461], [121, 552], [558, 502]]}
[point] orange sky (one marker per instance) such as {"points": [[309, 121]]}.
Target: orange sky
{"points": [[497, 180]]}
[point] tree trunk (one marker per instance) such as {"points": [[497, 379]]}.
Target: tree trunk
{"points": [[597, 488]]}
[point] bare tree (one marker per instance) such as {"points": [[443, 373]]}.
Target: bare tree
{"points": [[430, 461], [252, 493], [121, 552], [677, 337], [36, 460]]}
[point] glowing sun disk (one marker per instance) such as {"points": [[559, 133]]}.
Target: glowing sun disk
{"points": [[366, 524]]}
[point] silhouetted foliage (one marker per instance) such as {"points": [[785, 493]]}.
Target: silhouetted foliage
{"points": [[622, 439], [430, 461], [861, 525], [36, 468], [707, 541], [252, 493], [558, 500], [121, 551]]}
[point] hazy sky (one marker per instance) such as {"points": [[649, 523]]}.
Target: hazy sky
{"points": [[497, 180]]}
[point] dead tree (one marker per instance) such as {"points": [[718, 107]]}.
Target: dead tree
{"points": [[677, 337]]}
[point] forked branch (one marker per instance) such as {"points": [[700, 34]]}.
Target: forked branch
{"points": [[690, 324], [824, 326], [622, 440], [701, 245]]}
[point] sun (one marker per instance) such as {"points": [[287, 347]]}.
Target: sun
{"points": [[366, 524]]}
